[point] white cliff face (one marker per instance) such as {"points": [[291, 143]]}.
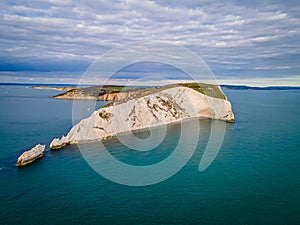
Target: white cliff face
{"points": [[162, 107], [31, 155]]}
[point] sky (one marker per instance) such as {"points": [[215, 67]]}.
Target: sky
{"points": [[242, 42]]}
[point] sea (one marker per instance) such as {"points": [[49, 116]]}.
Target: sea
{"points": [[254, 178]]}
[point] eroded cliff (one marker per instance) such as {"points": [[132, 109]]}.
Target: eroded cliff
{"points": [[168, 104]]}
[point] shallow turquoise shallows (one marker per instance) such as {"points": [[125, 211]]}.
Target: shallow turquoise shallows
{"points": [[255, 178]]}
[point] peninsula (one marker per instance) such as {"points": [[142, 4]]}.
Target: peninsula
{"points": [[134, 109], [137, 109], [119, 93]]}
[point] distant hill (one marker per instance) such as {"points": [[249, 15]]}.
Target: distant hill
{"points": [[224, 86]]}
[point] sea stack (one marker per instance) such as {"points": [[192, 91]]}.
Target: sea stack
{"points": [[164, 105], [31, 155]]}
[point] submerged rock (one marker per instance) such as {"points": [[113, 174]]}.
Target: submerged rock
{"points": [[31, 155], [164, 105]]}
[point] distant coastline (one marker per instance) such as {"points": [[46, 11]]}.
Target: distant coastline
{"points": [[223, 86], [244, 87], [38, 84], [56, 88]]}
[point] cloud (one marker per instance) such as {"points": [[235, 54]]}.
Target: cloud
{"points": [[232, 37]]}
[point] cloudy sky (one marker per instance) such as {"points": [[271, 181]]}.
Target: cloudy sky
{"points": [[249, 42]]}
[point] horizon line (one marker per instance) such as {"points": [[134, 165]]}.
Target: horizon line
{"points": [[74, 84]]}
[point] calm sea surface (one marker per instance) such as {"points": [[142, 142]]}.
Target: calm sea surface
{"points": [[255, 178]]}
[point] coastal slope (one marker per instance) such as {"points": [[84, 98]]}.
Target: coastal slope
{"points": [[164, 105]]}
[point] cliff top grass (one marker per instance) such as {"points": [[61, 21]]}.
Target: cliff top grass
{"points": [[105, 88], [94, 91], [206, 89]]}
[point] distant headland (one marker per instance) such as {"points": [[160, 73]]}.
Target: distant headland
{"points": [[66, 87]]}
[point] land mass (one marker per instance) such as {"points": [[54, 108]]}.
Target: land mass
{"points": [[118, 93], [56, 88], [145, 108], [134, 109]]}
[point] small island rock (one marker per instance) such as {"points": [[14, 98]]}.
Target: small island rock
{"points": [[31, 155]]}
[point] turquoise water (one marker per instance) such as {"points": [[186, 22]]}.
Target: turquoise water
{"points": [[253, 180]]}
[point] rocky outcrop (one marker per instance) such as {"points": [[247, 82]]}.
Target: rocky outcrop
{"points": [[31, 155], [163, 106]]}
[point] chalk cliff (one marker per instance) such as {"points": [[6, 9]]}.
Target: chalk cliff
{"points": [[168, 104]]}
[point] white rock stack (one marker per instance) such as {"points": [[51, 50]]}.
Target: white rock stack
{"points": [[31, 155]]}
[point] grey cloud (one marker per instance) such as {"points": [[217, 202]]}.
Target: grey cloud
{"points": [[229, 36]]}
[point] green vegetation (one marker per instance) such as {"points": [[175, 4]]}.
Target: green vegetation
{"points": [[94, 92], [206, 89], [113, 88]]}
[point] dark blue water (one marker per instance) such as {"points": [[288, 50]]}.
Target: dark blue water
{"points": [[253, 180]]}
